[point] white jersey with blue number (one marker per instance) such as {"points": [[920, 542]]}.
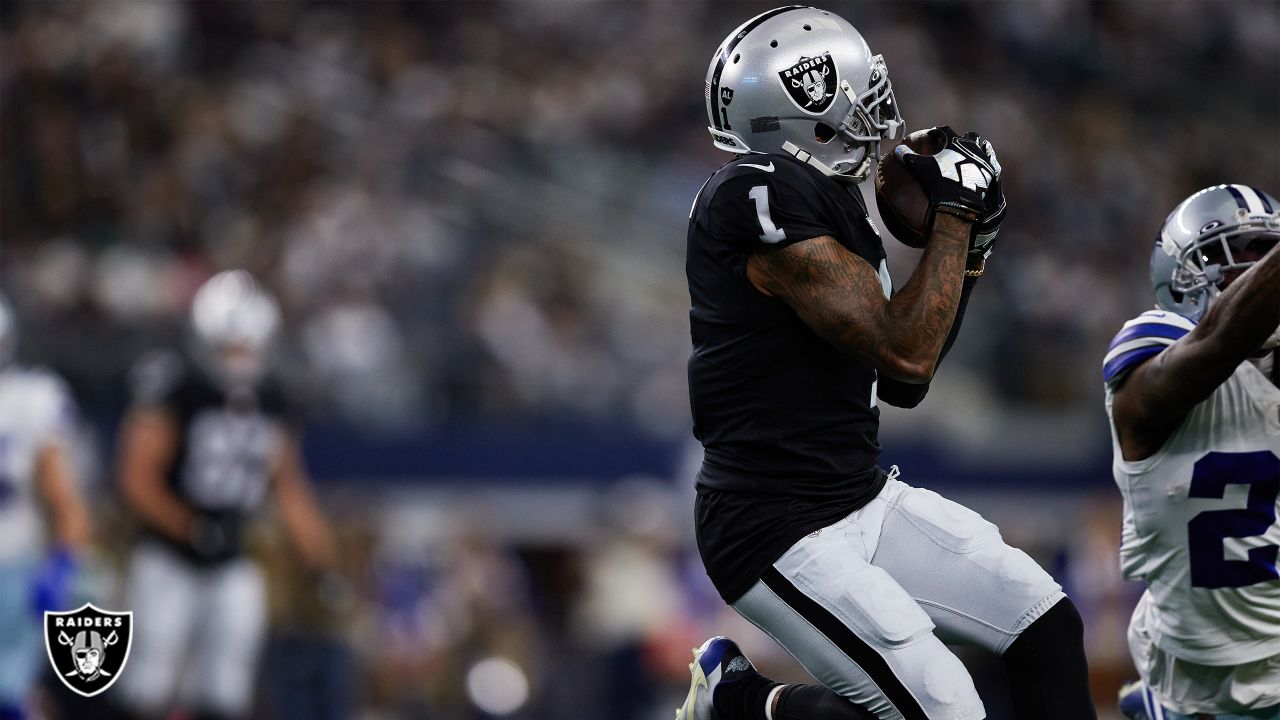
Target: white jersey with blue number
{"points": [[35, 411], [1200, 514]]}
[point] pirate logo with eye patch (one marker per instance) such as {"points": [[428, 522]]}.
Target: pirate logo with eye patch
{"points": [[88, 647], [811, 83]]}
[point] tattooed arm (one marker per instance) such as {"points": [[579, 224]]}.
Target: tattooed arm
{"points": [[839, 296], [909, 395]]}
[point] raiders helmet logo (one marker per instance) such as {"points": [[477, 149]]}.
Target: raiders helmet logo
{"points": [[811, 83], [88, 647]]}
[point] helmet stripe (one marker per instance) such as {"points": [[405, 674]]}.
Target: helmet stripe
{"points": [[1251, 197], [1262, 199], [727, 52], [1239, 196]]}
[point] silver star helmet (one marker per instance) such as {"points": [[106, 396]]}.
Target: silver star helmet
{"points": [[802, 81], [1199, 243], [233, 328]]}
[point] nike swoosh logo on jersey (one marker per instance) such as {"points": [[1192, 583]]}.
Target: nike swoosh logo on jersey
{"points": [[766, 168]]}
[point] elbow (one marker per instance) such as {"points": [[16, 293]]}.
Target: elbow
{"points": [[913, 371]]}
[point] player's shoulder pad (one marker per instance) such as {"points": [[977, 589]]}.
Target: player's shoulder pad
{"points": [[46, 387], [1140, 339], [788, 180], [46, 398], [155, 376], [43, 380]]}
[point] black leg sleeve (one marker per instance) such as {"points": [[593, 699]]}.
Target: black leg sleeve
{"points": [[1048, 673], [743, 697], [814, 702]]}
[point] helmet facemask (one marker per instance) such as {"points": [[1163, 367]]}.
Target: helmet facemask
{"points": [[1207, 266], [873, 116]]}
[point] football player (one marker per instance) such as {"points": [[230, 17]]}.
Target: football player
{"points": [[1191, 390], [797, 336], [43, 520], [204, 445]]}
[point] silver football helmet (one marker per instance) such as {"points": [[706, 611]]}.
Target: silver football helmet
{"points": [[8, 331], [1199, 242], [233, 328], [802, 81]]}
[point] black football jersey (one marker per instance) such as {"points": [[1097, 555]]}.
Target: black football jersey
{"points": [[788, 422], [226, 445]]}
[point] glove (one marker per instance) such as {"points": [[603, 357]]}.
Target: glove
{"points": [[54, 579], [983, 238], [956, 178], [215, 536]]}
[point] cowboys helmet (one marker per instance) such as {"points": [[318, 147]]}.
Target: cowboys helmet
{"points": [[233, 328], [802, 81], [1197, 245], [8, 331]]}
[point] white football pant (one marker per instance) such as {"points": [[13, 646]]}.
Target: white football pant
{"points": [[866, 604], [197, 633]]}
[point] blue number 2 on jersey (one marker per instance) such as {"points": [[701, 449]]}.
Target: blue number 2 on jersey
{"points": [[1205, 532]]}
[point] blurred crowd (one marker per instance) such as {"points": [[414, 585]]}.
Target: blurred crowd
{"points": [[476, 210], [474, 213]]}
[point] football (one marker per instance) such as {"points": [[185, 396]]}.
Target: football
{"points": [[903, 205]]}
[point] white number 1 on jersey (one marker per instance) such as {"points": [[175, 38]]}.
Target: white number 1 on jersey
{"points": [[760, 196]]}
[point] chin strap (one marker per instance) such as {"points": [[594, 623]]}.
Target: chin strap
{"points": [[860, 172]]}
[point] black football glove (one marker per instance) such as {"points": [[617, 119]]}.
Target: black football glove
{"points": [[215, 536], [955, 179], [983, 238]]}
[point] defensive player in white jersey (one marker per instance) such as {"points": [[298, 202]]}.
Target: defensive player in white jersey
{"points": [[1191, 390], [205, 445], [43, 521]]}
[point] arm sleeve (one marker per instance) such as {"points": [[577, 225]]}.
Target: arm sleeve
{"points": [[760, 211], [908, 395]]}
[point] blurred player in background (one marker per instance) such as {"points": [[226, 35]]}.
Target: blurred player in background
{"points": [[797, 333], [43, 520], [1191, 390], [205, 443]]}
